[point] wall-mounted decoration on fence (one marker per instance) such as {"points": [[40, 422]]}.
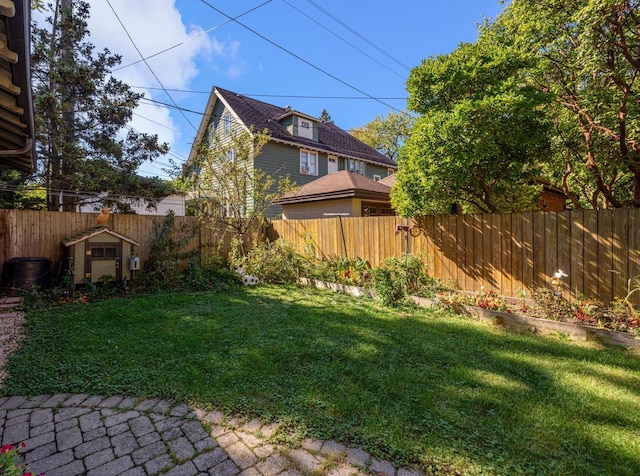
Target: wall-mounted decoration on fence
{"points": [[97, 254]]}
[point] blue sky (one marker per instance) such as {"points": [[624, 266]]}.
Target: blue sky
{"points": [[308, 54]]}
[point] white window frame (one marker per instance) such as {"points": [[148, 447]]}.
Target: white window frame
{"points": [[308, 162], [377, 178], [227, 123], [356, 166]]}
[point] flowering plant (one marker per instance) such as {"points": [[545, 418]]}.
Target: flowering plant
{"points": [[10, 462]]}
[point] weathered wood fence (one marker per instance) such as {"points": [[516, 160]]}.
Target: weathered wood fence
{"points": [[26, 233], [509, 253], [599, 250]]}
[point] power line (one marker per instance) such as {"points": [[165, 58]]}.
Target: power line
{"points": [[299, 58], [342, 39], [204, 33], [359, 35], [147, 64]]}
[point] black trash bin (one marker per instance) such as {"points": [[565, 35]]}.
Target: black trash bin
{"points": [[24, 273]]}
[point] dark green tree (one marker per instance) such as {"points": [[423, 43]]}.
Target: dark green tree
{"points": [[325, 117], [81, 113], [480, 135]]}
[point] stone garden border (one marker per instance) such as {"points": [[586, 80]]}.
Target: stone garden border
{"points": [[517, 322]]}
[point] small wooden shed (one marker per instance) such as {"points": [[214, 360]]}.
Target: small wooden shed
{"points": [[100, 252]]}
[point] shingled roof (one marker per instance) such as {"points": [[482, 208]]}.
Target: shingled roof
{"points": [[262, 115], [341, 184]]}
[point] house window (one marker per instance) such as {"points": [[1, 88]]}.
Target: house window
{"points": [[227, 123], [231, 154], [376, 178], [356, 166], [308, 162]]}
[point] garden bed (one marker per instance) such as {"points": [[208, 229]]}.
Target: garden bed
{"points": [[509, 320]]}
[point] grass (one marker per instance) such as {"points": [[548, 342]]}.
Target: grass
{"points": [[418, 387]]}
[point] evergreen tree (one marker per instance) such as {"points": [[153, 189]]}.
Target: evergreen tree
{"points": [[80, 110], [326, 117]]}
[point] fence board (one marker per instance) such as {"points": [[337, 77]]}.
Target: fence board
{"points": [[576, 273], [620, 252], [591, 274], [605, 255]]}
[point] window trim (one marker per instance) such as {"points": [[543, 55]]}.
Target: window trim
{"points": [[227, 123], [309, 153]]}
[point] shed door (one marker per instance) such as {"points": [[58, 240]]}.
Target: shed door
{"points": [[103, 259]]}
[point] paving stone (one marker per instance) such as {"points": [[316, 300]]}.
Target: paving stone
{"points": [[74, 400], [408, 472], [116, 466], [242, 456], [143, 455], [137, 471], [93, 401], [382, 468], [263, 451], [18, 412], [145, 405], [180, 410], [41, 453], [40, 417], [226, 468], [227, 439], [18, 401], [90, 421], [312, 444], [186, 469], [343, 470], [158, 464], [250, 472], [214, 417], [193, 431], [124, 444], [37, 441], [15, 434], [92, 447], [39, 430], [162, 407], [148, 439], [35, 401], [106, 412], [54, 461], [267, 430], [67, 413], [251, 426], [248, 439], [93, 434], [273, 464], [69, 438], [55, 400], [119, 418], [172, 434], [111, 401], [156, 417], [218, 431], [126, 403], [116, 430], [181, 448], [332, 448], [205, 444], [16, 420], [141, 426], [99, 458], [168, 423], [208, 460], [75, 468], [66, 424], [304, 460], [358, 456]]}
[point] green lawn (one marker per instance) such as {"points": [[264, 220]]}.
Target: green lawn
{"points": [[417, 387]]}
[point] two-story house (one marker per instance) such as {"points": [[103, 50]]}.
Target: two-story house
{"points": [[300, 145]]}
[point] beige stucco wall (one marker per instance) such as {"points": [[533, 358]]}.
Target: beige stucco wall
{"points": [[300, 211]]}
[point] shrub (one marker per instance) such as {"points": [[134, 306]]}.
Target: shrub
{"points": [[272, 262], [550, 306], [396, 279]]}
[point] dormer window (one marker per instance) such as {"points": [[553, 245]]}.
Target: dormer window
{"points": [[304, 127]]}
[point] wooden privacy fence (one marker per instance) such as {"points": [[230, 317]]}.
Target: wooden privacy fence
{"points": [[599, 250], [26, 233]]}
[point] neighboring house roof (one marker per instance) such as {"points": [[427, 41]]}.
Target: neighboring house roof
{"points": [[90, 233], [262, 115], [389, 180], [341, 184], [17, 150]]}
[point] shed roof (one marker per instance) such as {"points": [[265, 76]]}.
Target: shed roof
{"points": [[90, 233], [343, 184]]}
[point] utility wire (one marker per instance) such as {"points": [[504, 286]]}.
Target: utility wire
{"points": [[204, 33], [299, 58], [342, 39], [148, 66], [359, 35]]}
